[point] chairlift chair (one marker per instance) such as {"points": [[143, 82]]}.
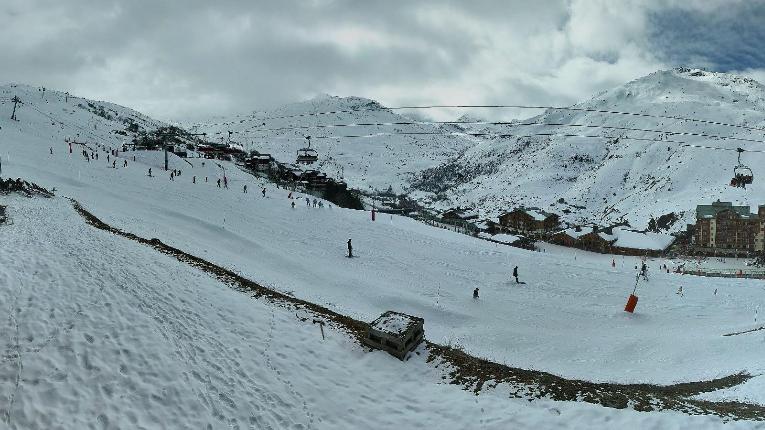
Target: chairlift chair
{"points": [[742, 174], [307, 155]]}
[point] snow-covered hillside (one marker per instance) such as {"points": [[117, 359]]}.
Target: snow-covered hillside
{"points": [[80, 119], [604, 179], [614, 179], [370, 164], [197, 353]]}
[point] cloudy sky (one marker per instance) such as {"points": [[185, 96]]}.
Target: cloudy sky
{"points": [[193, 59]]}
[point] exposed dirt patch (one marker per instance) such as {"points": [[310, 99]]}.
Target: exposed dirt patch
{"points": [[475, 373]]}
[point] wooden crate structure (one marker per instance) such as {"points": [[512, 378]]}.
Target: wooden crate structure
{"points": [[396, 333]]}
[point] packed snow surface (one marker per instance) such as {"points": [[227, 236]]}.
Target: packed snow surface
{"points": [[105, 332]]}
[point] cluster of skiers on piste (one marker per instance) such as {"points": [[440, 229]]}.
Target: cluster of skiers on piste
{"points": [[223, 182]]}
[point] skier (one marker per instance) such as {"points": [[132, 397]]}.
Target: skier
{"points": [[308, 202], [475, 293], [51, 150], [194, 180], [321, 205], [225, 182], [205, 178], [114, 164], [315, 202], [218, 182], [172, 176], [680, 291], [613, 262], [96, 156], [264, 191], [149, 171], [107, 158], [124, 164], [134, 158], [245, 188], [644, 271], [293, 205], [289, 196], [350, 249], [515, 274]]}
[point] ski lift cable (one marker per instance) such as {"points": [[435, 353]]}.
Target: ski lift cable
{"points": [[739, 150], [83, 130], [427, 133], [519, 124], [563, 108], [530, 135]]}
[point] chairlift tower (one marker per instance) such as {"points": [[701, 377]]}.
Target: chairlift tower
{"points": [[165, 146]]}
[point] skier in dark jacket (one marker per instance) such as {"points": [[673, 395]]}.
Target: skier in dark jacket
{"points": [[264, 191], [245, 188], [149, 171], [350, 249], [515, 274], [475, 293]]}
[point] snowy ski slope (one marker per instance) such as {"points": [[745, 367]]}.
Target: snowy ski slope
{"points": [[203, 353]]}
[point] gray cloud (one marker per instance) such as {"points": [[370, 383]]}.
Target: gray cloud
{"points": [[193, 59]]}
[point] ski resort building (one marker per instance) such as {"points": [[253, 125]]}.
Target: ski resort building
{"points": [[613, 240], [459, 214], [724, 229], [259, 162], [529, 221]]}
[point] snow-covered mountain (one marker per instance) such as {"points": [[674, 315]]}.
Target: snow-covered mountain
{"points": [[376, 161], [605, 178], [612, 178]]}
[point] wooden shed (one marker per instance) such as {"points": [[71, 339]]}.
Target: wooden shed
{"points": [[396, 333]]}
